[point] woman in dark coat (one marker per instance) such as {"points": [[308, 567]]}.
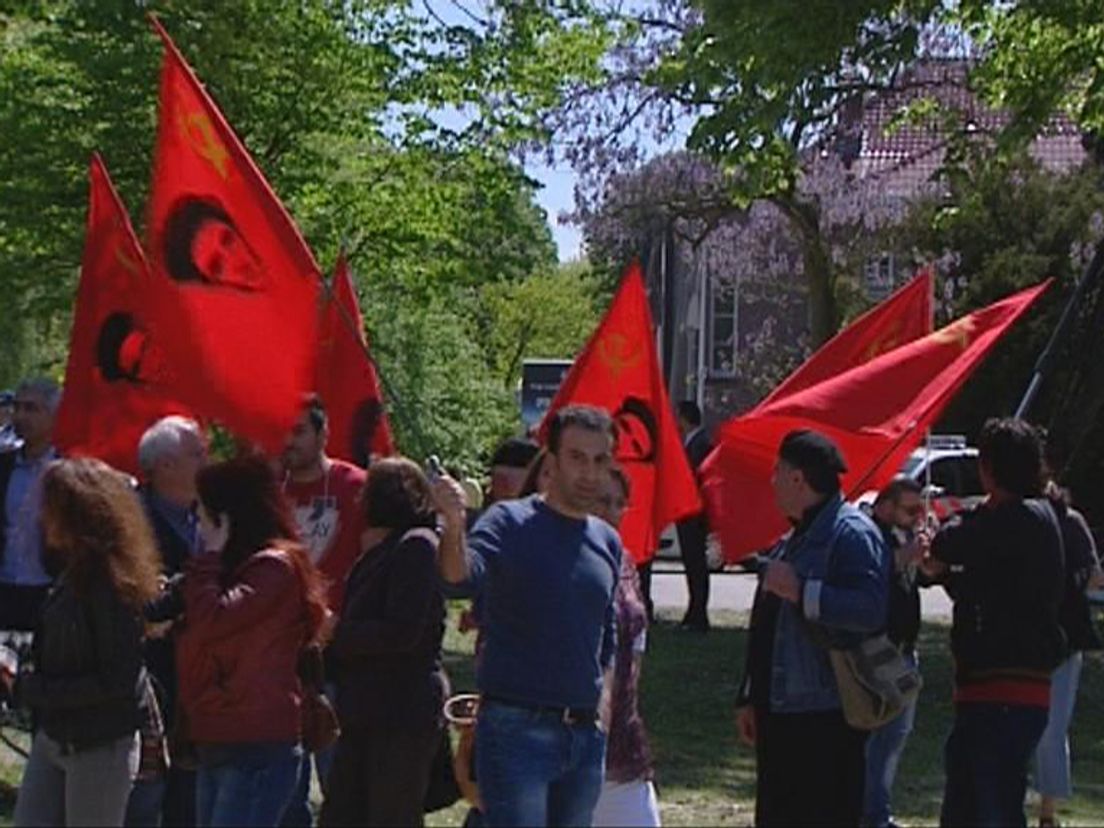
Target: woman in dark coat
{"points": [[386, 650]]}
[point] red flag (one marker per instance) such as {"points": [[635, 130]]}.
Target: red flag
{"points": [[877, 413], [347, 379], [116, 380], [619, 371], [903, 317], [242, 286]]}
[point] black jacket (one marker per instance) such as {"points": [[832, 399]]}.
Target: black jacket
{"points": [[160, 653], [903, 620], [387, 644], [88, 681], [1081, 560], [1007, 584]]}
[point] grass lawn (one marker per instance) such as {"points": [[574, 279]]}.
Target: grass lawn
{"points": [[706, 777]]}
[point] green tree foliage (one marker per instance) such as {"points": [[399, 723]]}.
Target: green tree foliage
{"points": [[1005, 226], [383, 125]]}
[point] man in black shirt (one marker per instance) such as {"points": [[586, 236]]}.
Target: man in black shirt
{"points": [[898, 512]]}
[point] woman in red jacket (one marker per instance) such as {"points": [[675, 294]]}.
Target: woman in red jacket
{"points": [[253, 601]]}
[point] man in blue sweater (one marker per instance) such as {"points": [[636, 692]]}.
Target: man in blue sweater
{"points": [[546, 572]]}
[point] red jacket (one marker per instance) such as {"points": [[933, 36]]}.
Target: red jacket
{"points": [[238, 651]]}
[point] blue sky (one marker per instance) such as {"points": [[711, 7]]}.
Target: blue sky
{"points": [[557, 195]]}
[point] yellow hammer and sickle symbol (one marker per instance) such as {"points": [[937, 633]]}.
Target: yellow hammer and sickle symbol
{"points": [[890, 340], [198, 131], [959, 333], [617, 351]]}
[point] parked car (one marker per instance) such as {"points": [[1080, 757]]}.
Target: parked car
{"points": [[947, 466]]}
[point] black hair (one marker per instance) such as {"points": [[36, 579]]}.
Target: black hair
{"points": [[897, 487], [816, 457], [515, 453], [586, 417], [691, 412], [397, 495], [1012, 452]]}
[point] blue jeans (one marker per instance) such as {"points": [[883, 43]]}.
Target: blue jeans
{"points": [[245, 784], [986, 759], [535, 770], [1052, 757], [883, 754]]}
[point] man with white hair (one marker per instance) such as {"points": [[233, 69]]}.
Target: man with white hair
{"points": [[24, 580], [170, 454]]}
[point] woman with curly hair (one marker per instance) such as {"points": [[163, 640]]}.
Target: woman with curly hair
{"points": [[88, 684], [252, 603]]}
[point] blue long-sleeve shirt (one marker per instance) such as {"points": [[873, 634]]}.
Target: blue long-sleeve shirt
{"points": [[546, 583]]}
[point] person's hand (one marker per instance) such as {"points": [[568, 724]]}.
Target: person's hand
{"points": [[932, 567], [914, 551], [781, 579], [448, 496], [1096, 580], [213, 531], [745, 724]]}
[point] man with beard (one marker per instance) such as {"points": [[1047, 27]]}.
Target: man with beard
{"points": [[323, 493], [24, 579]]}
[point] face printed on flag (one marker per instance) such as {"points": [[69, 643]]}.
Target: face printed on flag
{"points": [[637, 432], [619, 371], [117, 379], [203, 245], [124, 352]]}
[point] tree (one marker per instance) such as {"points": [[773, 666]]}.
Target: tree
{"points": [[749, 249], [1004, 226], [549, 315], [761, 86], [341, 104]]}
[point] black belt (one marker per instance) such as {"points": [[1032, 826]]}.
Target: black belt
{"points": [[567, 715]]}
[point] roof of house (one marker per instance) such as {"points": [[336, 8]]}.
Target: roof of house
{"points": [[908, 154]]}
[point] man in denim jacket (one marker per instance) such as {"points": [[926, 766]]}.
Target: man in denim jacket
{"points": [[829, 578]]}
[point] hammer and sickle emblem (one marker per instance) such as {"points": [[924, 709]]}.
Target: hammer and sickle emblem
{"points": [[886, 343], [198, 131], [619, 353], [960, 333]]}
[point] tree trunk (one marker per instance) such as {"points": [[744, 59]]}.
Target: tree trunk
{"points": [[820, 276]]}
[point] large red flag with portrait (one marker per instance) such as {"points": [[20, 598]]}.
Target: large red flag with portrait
{"points": [[347, 380], [903, 317], [619, 371], [240, 316], [876, 413], [117, 383]]}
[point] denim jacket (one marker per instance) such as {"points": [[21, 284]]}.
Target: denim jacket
{"points": [[844, 568]]}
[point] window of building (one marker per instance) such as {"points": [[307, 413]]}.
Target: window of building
{"points": [[880, 276], [722, 329]]}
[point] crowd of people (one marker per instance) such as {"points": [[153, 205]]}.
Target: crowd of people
{"points": [[211, 637]]}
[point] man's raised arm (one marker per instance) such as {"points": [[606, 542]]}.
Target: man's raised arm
{"points": [[452, 556]]}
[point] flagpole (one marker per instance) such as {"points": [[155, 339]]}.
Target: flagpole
{"points": [[928, 446], [1050, 353]]}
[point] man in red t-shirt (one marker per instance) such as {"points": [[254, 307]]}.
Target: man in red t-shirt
{"points": [[324, 495]]}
